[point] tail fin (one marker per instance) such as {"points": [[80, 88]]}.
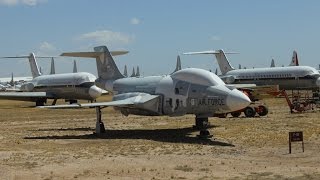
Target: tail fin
{"points": [[125, 73], [294, 61], [221, 58], [33, 63], [239, 66], [52, 69], [107, 68], [34, 66], [133, 73], [138, 72], [12, 81], [75, 69], [272, 63], [178, 65]]}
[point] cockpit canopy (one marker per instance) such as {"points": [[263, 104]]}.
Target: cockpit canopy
{"points": [[198, 76]]}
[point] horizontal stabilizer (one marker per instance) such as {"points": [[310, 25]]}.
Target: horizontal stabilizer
{"points": [[14, 57], [92, 54], [208, 52]]}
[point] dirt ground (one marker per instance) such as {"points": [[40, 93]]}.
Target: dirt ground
{"points": [[60, 144]]}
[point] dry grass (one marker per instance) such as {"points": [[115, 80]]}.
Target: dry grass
{"points": [[59, 144]]}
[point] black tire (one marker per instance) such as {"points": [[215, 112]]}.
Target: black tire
{"points": [[235, 114], [40, 102], [249, 111], [204, 133], [264, 110], [201, 123]]}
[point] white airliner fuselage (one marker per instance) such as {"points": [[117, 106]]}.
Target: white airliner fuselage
{"points": [[288, 78], [292, 77]]}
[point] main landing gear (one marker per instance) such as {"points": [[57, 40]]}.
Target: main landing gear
{"points": [[202, 125], [99, 124]]}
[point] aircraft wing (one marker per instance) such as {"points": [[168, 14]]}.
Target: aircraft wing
{"points": [[24, 96], [141, 100]]}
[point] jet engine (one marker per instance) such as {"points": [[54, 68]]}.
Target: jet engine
{"points": [[228, 79], [318, 82], [27, 87]]}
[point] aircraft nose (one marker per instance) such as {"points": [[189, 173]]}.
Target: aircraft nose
{"points": [[237, 100], [95, 92]]}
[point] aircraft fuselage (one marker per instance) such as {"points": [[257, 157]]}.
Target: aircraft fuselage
{"points": [[183, 92], [288, 78]]}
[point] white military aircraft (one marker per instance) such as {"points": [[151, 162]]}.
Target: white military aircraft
{"points": [[186, 91], [288, 78], [68, 86]]}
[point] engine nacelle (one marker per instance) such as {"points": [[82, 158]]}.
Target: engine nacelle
{"points": [[27, 87], [318, 82], [228, 79], [142, 104]]}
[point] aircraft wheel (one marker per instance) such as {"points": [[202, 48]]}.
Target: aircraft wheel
{"points": [[235, 114], [40, 102], [201, 123], [204, 134], [249, 111], [263, 110]]}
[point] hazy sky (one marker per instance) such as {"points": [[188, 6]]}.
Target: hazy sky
{"points": [[155, 32]]}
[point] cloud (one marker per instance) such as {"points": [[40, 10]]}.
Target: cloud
{"points": [[21, 2], [215, 38], [45, 46], [135, 21], [106, 36], [46, 49]]}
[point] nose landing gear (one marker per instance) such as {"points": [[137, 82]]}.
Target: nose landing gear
{"points": [[202, 124]]}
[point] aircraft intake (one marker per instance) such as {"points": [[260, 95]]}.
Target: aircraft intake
{"points": [[318, 82], [95, 92], [27, 87]]}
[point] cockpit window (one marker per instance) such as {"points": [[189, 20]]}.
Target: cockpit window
{"points": [[181, 87]]}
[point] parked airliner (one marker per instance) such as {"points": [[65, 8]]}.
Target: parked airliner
{"points": [[68, 86], [288, 78]]}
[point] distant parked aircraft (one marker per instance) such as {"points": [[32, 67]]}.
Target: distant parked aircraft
{"points": [[288, 78], [68, 86]]}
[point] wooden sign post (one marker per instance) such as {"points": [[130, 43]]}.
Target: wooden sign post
{"points": [[296, 137]]}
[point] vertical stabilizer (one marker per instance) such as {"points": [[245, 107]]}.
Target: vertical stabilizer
{"points": [[138, 72], [294, 60], [107, 68], [34, 66], [272, 63], [239, 66], [52, 69], [178, 65], [125, 73], [133, 73], [223, 62], [12, 81], [75, 69]]}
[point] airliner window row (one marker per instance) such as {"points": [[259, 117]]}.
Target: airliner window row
{"points": [[265, 76]]}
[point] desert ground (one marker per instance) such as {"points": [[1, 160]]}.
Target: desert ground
{"points": [[60, 144]]}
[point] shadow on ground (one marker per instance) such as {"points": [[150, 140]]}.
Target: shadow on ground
{"points": [[181, 135]]}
